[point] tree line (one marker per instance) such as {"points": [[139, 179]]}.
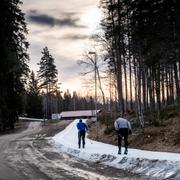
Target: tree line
{"points": [[13, 63], [142, 40], [24, 92], [43, 96]]}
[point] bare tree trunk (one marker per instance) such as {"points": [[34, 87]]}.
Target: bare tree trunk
{"points": [[143, 75], [167, 87], [171, 85], [150, 89], [126, 91], [177, 87], [129, 54], [119, 63], [157, 80], [162, 87]]}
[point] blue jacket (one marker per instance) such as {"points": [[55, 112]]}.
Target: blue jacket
{"points": [[82, 126]]}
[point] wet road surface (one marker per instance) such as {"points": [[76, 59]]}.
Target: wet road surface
{"points": [[28, 155]]}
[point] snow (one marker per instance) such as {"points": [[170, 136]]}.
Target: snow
{"points": [[150, 163], [31, 119]]}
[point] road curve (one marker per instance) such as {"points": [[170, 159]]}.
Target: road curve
{"points": [[28, 155]]}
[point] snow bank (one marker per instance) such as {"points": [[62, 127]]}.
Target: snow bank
{"points": [[32, 119], [161, 165]]}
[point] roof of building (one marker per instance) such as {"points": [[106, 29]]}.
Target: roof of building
{"points": [[82, 113]]}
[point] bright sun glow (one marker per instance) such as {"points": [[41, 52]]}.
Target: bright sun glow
{"points": [[91, 18]]}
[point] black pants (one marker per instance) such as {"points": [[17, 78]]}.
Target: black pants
{"points": [[123, 134], [81, 135]]}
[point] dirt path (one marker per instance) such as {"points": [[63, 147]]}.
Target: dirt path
{"points": [[29, 155]]}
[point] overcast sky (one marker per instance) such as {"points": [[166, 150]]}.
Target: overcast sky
{"points": [[64, 26]]}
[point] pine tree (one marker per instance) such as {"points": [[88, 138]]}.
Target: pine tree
{"points": [[47, 76], [13, 63], [33, 84], [34, 100], [144, 42], [47, 72], [67, 101]]}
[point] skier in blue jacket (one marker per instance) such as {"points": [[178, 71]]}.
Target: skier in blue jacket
{"points": [[82, 128]]}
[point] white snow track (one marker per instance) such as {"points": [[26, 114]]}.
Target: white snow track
{"points": [[160, 165]]}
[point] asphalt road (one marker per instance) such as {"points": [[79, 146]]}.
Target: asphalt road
{"points": [[28, 155]]}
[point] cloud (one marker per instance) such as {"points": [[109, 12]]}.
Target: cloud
{"points": [[75, 37], [62, 26], [66, 21]]}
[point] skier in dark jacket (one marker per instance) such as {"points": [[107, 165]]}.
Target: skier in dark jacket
{"points": [[123, 128], [82, 128]]}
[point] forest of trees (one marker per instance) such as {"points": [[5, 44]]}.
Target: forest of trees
{"points": [[142, 43], [13, 63], [22, 92], [43, 96], [142, 40]]}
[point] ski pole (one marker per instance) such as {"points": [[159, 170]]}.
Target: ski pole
{"points": [[121, 136]]}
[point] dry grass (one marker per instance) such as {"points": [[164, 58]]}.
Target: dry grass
{"points": [[163, 138]]}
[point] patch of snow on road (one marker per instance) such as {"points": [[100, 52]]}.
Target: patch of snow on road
{"points": [[155, 164], [32, 119], [33, 126]]}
